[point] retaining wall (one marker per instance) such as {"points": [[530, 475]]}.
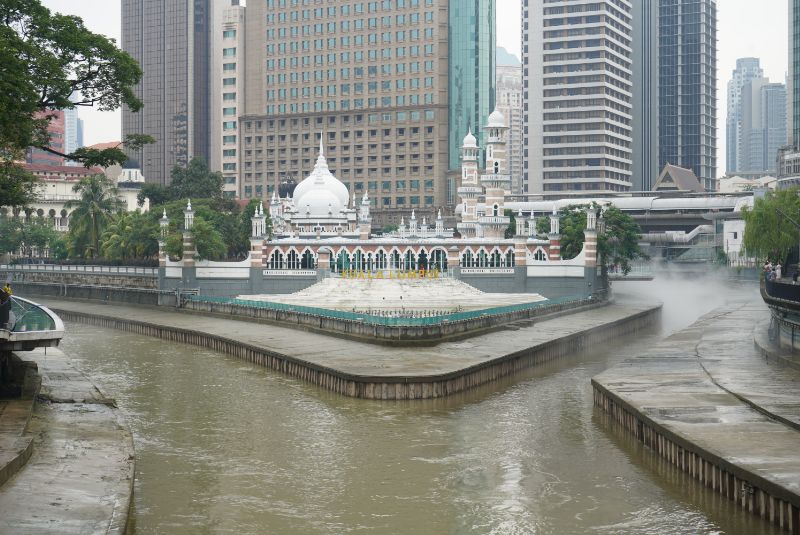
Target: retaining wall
{"points": [[384, 334], [384, 388], [139, 296], [750, 491]]}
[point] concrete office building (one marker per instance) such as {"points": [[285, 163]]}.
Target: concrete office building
{"points": [[645, 95], [171, 41], [227, 90], [509, 103], [577, 86], [746, 69], [762, 126], [374, 78], [55, 132], [687, 85]]}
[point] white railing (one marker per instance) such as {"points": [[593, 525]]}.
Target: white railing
{"points": [[53, 268]]}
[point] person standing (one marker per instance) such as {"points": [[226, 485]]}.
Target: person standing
{"points": [[778, 271]]}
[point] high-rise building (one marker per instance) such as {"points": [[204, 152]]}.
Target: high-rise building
{"points": [[171, 42], [55, 131], [375, 80], [793, 79], [471, 62], [577, 87], [762, 126], [73, 134], [227, 89], [687, 87], [509, 103], [645, 95], [746, 69]]}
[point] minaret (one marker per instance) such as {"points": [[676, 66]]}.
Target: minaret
{"points": [[470, 189], [258, 223], [162, 239], [364, 219], [188, 240], [439, 224], [495, 180], [555, 236]]}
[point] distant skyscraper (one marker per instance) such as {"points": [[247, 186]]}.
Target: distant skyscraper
{"points": [[762, 126], [509, 102], [746, 69], [577, 85], [71, 133], [645, 95], [79, 133], [687, 86], [171, 41], [227, 89]]}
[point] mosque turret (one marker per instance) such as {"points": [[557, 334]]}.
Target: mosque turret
{"points": [[364, 219], [412, 224], [496, 181], [590, 235], [470, 188], [163, 224], [188, 240], [439, 224], [554, 236], [259, 230], [520, 224]]}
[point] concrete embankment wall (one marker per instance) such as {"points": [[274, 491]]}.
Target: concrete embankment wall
{"points": [[384, 334], [385, 388], [750, 491], [86, 279], [136, 296]]}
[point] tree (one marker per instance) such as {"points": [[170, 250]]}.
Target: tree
{"points": [[208, 243], [771, 229], [16, 234], [98, 201], [157, 194], [617, 245], [130, 235], [45, 59], [195, 181]]}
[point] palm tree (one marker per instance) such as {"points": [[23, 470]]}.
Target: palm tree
{"points": [[98, 201]]}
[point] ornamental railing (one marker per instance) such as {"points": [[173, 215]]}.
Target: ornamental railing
{"points": [[411, 318], [56, 268]]}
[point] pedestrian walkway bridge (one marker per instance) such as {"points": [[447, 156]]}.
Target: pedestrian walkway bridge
{"points": [[29, 326]]}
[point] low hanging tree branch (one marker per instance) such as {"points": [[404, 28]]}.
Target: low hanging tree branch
{"points": [[45, 58]]}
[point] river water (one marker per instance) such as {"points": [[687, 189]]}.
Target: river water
{"points": [[225, 447]]}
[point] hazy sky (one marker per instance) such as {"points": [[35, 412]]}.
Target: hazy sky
{"points": [[757, 28]]}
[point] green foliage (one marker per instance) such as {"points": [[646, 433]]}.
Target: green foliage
{"points": [[157, 194], [45, 58], [16, 234], [542, 226], [93, 211], [208, 241], [195, 181], [223, 215], [511, 229], [390, 228], [771, 226], [130, 235], [617, 245]]}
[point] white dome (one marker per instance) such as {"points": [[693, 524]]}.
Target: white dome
{"points": [[496, 120], [319, 203], [320, 180], [470, 141]]}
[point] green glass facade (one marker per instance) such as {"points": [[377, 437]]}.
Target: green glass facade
{"points": [[471, 71], [794, 71]]}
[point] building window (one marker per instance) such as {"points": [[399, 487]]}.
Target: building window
{"points": [[229, 52], [228, 34], [228, 112]]}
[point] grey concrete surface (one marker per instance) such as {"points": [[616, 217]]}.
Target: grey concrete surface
{"points": [[364, 359], [711, 387], [79, 479]]}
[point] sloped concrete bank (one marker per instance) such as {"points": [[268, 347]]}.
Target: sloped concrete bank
{"points": [[80, 472], [706, 401], [379, 372]]}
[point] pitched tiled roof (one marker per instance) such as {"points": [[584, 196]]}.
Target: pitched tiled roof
{"points": [[678, 178]]}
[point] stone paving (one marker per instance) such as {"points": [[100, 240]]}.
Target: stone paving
{"points": [[442, 294], [364, 359], [709, 385], [80, 476]]}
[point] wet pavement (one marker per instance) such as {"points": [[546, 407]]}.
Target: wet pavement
{"points": [[79, 479], [711, 386]]}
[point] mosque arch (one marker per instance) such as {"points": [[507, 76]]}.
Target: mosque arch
{"points": [[342, 261], [307, 260], [467, 259], [422, 259], [439, 259], [381, 259], [539, 255], [276, 259]]}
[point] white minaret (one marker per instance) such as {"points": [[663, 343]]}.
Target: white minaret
{"points": [[495, 180], [470, 188]]}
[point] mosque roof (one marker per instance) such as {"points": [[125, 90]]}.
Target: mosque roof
{"points": [[320, 194]]}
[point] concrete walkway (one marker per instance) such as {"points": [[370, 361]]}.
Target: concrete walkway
{"points": [[80, 477], [710, 387], [369, 360]]}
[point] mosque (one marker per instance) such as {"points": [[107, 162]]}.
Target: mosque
{"points": [[321, 232], [321, 218]]}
